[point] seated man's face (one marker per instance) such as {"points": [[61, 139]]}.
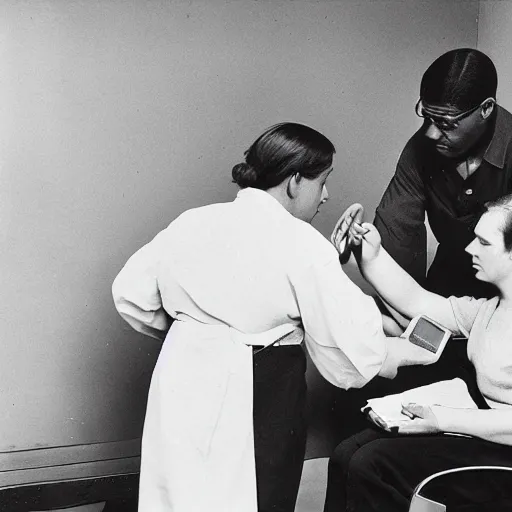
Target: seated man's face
{"points": [[491, 260]]}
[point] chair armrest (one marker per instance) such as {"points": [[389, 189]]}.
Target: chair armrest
{"points": [[433, 493]]}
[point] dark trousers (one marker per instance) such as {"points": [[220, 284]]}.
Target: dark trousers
{"points": [[377, 471], [279, 426]]}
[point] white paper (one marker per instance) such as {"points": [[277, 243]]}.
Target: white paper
{"points": [[449, 393]]}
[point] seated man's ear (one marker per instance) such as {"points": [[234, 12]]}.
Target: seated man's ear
{"points": [[293, 185]]}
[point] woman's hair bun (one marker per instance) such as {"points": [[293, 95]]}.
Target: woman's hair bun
{"points": [[244, 175]]}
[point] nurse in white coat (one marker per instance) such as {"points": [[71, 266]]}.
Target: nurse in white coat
{"points": [[224, 428]]}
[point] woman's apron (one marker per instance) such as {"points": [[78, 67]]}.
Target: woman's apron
{"points": [[198, 443]]}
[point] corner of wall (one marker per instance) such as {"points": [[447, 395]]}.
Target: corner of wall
{"points": [[478, 23]]}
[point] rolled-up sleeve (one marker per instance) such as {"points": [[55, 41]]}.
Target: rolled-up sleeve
{"points": [[136, 294], [400, 215], [343, 326], [465, 311]]}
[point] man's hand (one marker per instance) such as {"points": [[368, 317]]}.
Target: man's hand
{"points": [[366, 236], [422, 420]]}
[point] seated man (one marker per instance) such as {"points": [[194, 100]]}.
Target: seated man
{"points": [[378, 471]]}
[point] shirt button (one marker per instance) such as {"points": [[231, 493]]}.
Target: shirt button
{"points": [[469, 191]]}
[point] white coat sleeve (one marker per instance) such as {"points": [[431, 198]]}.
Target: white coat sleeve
{"points": [[136, 294], [343, 326]]}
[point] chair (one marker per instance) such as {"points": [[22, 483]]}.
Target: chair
{"points": [[435, 494]]}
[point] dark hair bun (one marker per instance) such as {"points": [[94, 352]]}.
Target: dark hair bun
{"points": [[244, 175]]}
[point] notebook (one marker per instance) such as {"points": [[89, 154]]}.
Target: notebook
{"points": [[388, 409]]}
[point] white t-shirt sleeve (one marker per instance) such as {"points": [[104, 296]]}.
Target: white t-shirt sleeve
{"points": [[465, 311], [343, 326], [136, 294]]}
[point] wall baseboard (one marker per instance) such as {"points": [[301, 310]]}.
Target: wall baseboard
{"points": [[120, 492], [43, 465]]}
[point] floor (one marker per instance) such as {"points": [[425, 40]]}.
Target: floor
{"points": [[311, 491], [312, 486]]}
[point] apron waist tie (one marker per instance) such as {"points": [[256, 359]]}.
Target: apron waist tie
{"points": [[282, 335]]}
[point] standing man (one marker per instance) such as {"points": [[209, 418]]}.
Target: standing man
{"points": [[460, 158]]}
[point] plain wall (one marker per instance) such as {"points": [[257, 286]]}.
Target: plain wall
{"points": [[117, 115], [495, 39]]}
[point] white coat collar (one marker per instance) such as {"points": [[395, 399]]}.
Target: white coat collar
{"points": [[261, 199]]}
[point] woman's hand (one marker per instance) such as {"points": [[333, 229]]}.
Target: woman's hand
{"points": [[422, 420], [391, 327], [401, 352]]}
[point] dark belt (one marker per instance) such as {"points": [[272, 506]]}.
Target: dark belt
{"points": [[256, 349]]}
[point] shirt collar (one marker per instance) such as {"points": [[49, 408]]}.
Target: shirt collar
{"points": [[501, 139]]}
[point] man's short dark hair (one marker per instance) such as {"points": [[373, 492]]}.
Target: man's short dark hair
{"points": [[461, 78], [504, 202]]}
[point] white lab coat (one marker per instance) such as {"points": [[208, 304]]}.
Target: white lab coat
{"points": [[233, 274]]}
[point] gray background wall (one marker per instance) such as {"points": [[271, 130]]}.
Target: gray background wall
{"points": [[495, 39], [117, 115]]}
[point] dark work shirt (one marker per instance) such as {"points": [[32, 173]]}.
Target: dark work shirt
{"points": [[425, 181]]}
